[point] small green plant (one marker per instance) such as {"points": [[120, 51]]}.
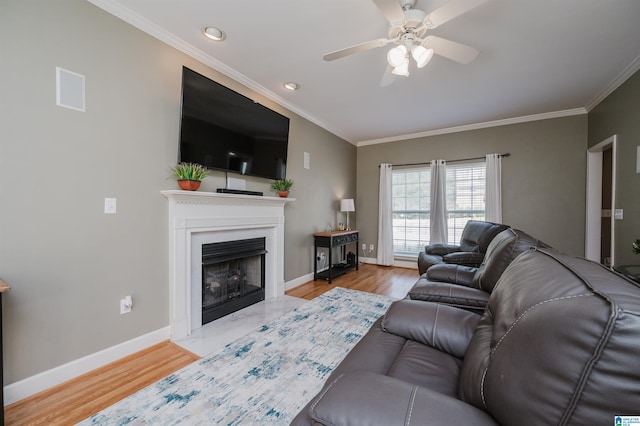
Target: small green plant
{"points": [[636, 246], [189, 171], [282, 185]]}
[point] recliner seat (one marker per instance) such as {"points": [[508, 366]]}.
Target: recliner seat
{"points": [[474, 241], [468, 287]]}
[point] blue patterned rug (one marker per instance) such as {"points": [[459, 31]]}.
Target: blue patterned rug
{"points": [[265, 377]]}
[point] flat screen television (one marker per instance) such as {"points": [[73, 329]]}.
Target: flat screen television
{"points": [[224, 130]]}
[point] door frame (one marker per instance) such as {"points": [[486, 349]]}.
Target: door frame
{"points": [[593, 222]]}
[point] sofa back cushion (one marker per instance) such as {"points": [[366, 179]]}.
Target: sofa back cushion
{"points": [[557, 344], [477, 235], [502, 250]]}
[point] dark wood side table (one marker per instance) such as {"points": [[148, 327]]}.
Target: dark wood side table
{"points": [[330, 240], [4, 287]]}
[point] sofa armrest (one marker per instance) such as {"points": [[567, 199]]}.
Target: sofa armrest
{"points": [[448, 273], [468, 258], [363, 398], [442, 327], [441, 249], [449, 294]]}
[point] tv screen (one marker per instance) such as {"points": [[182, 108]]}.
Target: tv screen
{"points": [[224, 130]]}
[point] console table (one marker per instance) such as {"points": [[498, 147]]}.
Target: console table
{"points": [[330, 240]]}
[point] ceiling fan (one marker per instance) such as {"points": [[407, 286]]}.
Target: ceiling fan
{"points": [[408, 31]]}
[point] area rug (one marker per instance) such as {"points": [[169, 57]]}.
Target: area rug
{"points": [[265, 377]]}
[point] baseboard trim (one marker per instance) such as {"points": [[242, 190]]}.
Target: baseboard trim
{"points": [[298, 281], [32, 385]]}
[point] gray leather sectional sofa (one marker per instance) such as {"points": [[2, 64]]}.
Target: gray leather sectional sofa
{"points": [[557, 344]]}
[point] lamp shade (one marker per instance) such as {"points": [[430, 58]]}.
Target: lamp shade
{"points": [[347, 205]]}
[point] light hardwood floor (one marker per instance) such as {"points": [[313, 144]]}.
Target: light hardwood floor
{"points": [[90, 393]]}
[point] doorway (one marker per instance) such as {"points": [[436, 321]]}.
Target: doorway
{"points": [[601, 201]]}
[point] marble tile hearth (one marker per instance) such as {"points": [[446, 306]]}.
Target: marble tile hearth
{"points": [[215, 335]]}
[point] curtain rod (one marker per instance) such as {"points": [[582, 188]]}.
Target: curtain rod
{"points": [[507, 154]]}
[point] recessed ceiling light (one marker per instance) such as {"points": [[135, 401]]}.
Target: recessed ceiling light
{"points": [[291, 86], [214, 33]]}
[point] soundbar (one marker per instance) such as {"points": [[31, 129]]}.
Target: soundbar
{"points": [[239, 191]]}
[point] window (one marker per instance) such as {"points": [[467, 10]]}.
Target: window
{"points": [[466, 185], [411, 204]]}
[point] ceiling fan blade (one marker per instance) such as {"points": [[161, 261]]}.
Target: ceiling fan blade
{"points": [[388, 77], [450, 10], [355, 49], [391, 10], [450, 49]]}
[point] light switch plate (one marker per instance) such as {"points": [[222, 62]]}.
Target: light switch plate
{"points": [[110, 205]]}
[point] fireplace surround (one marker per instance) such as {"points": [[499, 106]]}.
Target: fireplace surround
{"points": [[197, 218]]}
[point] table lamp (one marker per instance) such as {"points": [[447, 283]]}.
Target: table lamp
{"points": [[347, 205]]}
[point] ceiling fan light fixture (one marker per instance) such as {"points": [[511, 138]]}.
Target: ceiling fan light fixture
{"points": [[397, 56], [214, 33], [421, 55], [402, 69]]}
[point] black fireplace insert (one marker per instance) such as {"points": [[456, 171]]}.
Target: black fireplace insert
{"points": [[233, 276]]}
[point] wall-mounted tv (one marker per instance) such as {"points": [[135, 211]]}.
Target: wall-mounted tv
{"points": [[224, 130]]}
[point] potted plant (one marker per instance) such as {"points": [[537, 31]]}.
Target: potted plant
{"points": [[282, 187], [189, 175]]}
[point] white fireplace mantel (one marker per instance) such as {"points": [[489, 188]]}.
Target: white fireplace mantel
{"points": [[196, 216]]}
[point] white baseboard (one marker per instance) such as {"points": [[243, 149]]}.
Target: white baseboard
{"points": [[298, 281], [31, 385], [400, 263]]}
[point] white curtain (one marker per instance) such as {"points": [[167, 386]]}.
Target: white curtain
{"points": [[385, 220], [438, 217], [493, 208]]}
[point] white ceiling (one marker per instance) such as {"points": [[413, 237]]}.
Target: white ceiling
{"points": [[542, 58]]}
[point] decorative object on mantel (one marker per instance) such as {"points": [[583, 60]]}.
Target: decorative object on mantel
{"points": [[282, 187], [189, 175]]}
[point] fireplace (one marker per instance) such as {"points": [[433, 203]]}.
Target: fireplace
{"points": [[197, 218], [233, 276]]}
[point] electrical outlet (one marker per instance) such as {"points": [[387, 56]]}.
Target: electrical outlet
{"points": [[125, 305], [371, 248], [364, 246]]}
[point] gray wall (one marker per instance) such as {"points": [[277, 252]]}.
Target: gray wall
{"points": [[543, 180], [618, 115], [68, 263]]}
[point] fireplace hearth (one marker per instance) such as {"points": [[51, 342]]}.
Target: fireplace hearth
{"points": [[233, 276]]}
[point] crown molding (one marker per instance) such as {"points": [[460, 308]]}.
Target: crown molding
{"points": [[476, 126], [633, 67]]}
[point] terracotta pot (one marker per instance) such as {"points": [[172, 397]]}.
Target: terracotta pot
{"points": [[283, 194], [189, 185]]}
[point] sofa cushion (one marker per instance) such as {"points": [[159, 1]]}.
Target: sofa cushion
{"points": [[439, 326], [477, 235], [502, 250], [464, 258], [449, 294], [425, 366], [573, 323], [362, 398]]}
